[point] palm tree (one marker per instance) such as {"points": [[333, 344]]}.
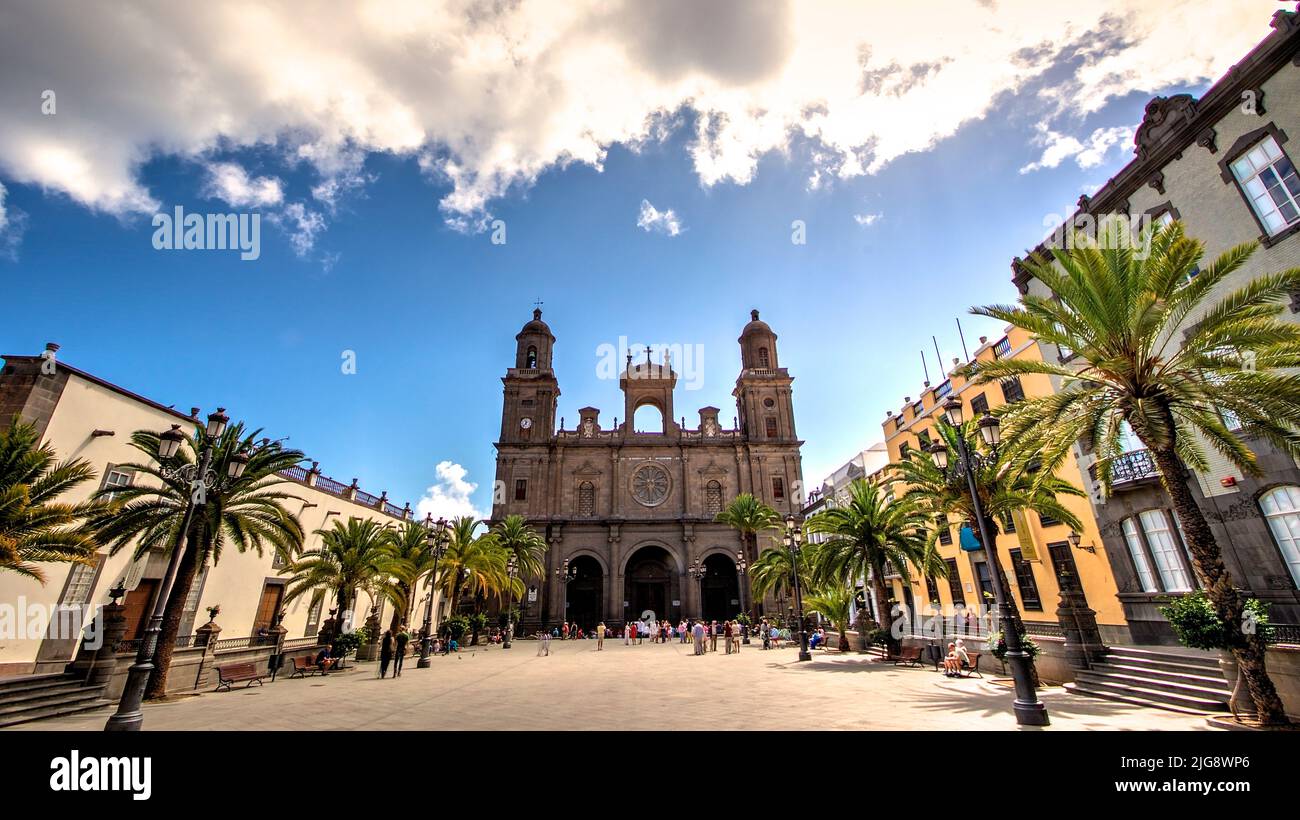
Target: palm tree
{"points": [[527, 547], [473, 562], [247, 511], [749, 516], [773, 571], [354, 555], [869, 535], [1123, 316], [834, 603], [410, 558], [34, 526]]}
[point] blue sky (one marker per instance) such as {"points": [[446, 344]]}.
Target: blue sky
{"points": [[392, 262]]}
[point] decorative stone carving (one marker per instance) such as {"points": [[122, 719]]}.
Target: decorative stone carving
{"points": [[650, 485], [1157, 181], [1164, 116], [1206, 139]]}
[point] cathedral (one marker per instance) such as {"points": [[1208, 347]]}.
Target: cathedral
{"points": [[627, 514]]}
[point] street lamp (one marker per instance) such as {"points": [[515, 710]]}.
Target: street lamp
{"points": [[436, 539], [696, 571], [511, 566], [793, 539], [1028, 709], [741, 566], [129, 716], [565, 574]]}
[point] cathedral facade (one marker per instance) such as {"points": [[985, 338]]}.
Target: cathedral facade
{"points": [[628, 515]]}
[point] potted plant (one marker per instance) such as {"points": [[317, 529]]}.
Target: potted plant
{"points": [[1197, 626], [998, 648]]}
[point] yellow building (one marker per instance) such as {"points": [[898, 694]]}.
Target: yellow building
{"points": [[83, 416], [1036, 554]]}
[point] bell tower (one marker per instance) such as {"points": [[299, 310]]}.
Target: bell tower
{"points": [[531, 391], [651, 383], [763, 400]]}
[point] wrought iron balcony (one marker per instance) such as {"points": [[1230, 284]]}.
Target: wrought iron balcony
{"points": [[1133, 466]]}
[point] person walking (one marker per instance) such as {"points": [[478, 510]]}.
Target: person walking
{"points": [[726, 635], [564, 633], [600, 636], [386, 645], [698, 633], [713, 636], [767, 635], [403, 638]]}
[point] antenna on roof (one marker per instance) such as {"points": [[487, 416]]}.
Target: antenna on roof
{"points": [[964, 353], [925, 367], [938, 357]]}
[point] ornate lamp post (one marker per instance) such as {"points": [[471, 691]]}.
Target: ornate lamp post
{"points": [[696, 571], [793, 539], [741, 566], [129, 717], [436, 538], [1028, 709], [511, 566], [565, 575]]}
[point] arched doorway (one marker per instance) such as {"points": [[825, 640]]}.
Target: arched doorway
{"points": [[720, 589], [649, 585], [584, 592]]}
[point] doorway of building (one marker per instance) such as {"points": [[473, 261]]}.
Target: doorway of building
{"points": [[585, 592], [649, 585], [720, 588], [136, 608]]}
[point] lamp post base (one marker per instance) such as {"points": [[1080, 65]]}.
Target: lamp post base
{"points": [[426, 650], [1031, 713]]}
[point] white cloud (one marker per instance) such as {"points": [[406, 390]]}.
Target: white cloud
{"points": [[653, 220], [1058, 147], [867, 220], [488, 96], [12, 224], [230, 183], [300, 225], [450, 497]]}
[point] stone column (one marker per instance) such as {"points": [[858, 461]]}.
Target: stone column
{"points": [[206, 637], [1083, 644], [112, 626]]}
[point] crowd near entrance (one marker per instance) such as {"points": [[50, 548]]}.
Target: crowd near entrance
{"points": [[585, 592], [720, 588], [649, 585]]}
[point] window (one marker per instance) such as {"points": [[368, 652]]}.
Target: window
{"points": [[943, 390], [932, 589], [1029, 597], [1156, 552], [1269, 180], [1139, 555], [521, 489], [954, 583], [586, 499], [764, 360], [979, 405], [313, 613], [923, 438], [945, 531], [1166, 551], [778, 488], [531, 361], [1047, 520], [1067, 572], [712, 498], [1002, 349], [1281, 507], [1011, 390], [81, 582], [114, 477], [770, 424], [903, 450], [1009, 524]]}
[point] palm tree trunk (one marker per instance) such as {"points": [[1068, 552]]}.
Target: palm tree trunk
{"points": [[882, 609], [171, 625], [1248, 650]]}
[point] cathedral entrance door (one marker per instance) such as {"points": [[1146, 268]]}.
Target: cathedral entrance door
{"points": [[585, 607], [649, 585], [720, 588]]}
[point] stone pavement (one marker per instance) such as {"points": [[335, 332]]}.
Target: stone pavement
{"points": [[652, 686]]}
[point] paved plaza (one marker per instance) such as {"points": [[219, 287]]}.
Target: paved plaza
{"points": [[652, 686]]}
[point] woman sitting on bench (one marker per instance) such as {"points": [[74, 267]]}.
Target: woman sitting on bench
{"points": [[957, 657]]}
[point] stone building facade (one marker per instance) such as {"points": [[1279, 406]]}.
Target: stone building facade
{"points": [[1222, 165], [632, 512]]}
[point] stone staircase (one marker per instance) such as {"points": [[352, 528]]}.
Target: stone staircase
{"points": [[1175, 680], [34, 697]]}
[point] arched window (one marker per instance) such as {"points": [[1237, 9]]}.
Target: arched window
{"points": [[586, 499], [1157, 554], [712, 498], [648, 419], [1281, 506], [763, 359], [531, 361]]}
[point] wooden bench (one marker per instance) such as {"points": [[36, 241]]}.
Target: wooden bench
{"points": [[972, 667], [304, 666], [232, 673], [907, 655]]}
